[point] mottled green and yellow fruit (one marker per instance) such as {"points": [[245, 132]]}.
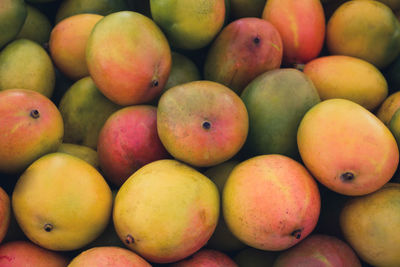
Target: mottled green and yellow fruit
{"points": [[61, 202], [84, 110], [346, 147], [24, 64], [389, 106], [12, 17], [166, 211], [83, 152], [368, 224], [365, 29], [189, 24], [349, 78]]}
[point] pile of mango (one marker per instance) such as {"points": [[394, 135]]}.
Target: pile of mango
{"points": [[206, 133]]}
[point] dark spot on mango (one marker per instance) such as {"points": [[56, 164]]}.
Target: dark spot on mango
{"points": [[296, 233], [35, 114], [256, 40], [347, 177], [129, 239], [206, 125], [48, 227], [154, 83]]}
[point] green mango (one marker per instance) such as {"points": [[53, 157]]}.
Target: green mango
{"points": [[37, 26], [12, 17]]}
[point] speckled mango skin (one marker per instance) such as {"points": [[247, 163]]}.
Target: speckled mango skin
{"points": [[25, 138], [129, 65], [301, 25], [339, 137], [243, 50], [349, 78], [365, 29], [271, 202], [189, 24], [166, 211]]}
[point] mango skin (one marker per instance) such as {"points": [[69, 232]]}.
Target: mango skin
{"points": [[319, 250], [108, 256], [389, 106], [271, 202], [349, 78], [27, 254], [129, 65], [84, 110], [346, 147], [68, 42], [83, 152], [12, 17], [68, 194], [24, 64], [206, 257], [301, 25], [183, 70], [202, 123], [189, 24], [25, 138], [5, 213], [231, 58], [37, 26], [69, 8], [365, 29], [127, 141], [276, 102], [368, 225], [170, 199]]}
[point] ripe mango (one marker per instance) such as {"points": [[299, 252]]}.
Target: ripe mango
{"points": [[389, 106], [349, 78], [24, 64], [166, 211], [206, 257], [346, 147]]}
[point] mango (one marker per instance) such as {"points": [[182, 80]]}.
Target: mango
{"points": [[37, 26], [27, 254], [175, 210], [346, 147], [83, 152], [301, 24], [369, 224], [129, 65], [84, 110], [231, 58], [319, 250], [206, 257], [270, 202], [68, 42], [5, 213], [128, 141], [389, 106], [393, 4], [246, 8], [61, 202], [69, 8], [349, 78], [12, 17], [276, 102], [189, 24], [222, 238], [108, 256], [202, 123], [364, 29], [31, 127], [24, 64]]}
